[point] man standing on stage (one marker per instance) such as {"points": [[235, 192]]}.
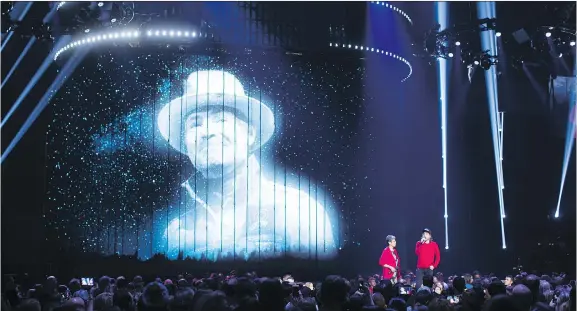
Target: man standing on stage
{"points": [[390, 261], [428, 256]]}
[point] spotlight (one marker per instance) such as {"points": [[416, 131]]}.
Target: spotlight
{"points": [[498, 34], [572, 43], [476, 62], [458, 43], [560, 55], [547, 34], [451, 55], [100, 4], [486, 62]]}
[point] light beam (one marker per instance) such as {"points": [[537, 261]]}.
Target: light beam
{"points": [[62, 76], [442, 9], [489, 42], [19, 19], [569, 143]]}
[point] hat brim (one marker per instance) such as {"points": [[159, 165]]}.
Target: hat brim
{"points": [[172, 116]]}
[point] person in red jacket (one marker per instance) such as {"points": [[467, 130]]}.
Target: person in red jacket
{"points": [[428, 256], [390, 261]]}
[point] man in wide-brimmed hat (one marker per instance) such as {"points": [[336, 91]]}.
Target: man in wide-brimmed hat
{"points": [[232, 207]]}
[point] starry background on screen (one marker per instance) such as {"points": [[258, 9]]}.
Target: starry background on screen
{"points": [[109, 168]]}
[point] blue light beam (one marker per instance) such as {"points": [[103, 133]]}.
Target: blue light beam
{"points": [[20, 58], [19, 18], [441, 10], [569, 143], [60, 79], [47, 61], [489, 42]]}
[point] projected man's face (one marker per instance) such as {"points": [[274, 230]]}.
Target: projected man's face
{"points": [[217, 137]]}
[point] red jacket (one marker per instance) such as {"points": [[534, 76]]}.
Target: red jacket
{"points": [[388, 259], [428, 255]]}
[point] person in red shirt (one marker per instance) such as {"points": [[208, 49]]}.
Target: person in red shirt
{"points": [[428, 256], [390, 261]]}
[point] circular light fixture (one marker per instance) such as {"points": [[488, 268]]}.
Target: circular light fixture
{"points": [[547, 34], [126, 35], [395, 9], [572, 43], [497, 34], [451, 55], [458, 43], [378, 51]]}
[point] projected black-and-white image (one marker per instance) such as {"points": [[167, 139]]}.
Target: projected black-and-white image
{"points": [[232, 207], [206, 158]]}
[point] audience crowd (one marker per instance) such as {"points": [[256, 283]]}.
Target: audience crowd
{"points": [[248, 292]]}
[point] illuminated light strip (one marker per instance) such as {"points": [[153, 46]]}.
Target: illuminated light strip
{"points": [[127, 35], [377, 51], [394, 8], [442, 18], [489, 42], [501, 135], [60, 4]]}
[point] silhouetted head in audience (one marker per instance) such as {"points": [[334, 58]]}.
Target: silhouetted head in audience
{"points": [[379, 300], [154, 298], [212, 301], [398, 304], [123, 300], [496, 288], [183, 299], [459, 285], [439, 305], [307, 304], [500, 303], [428, 281], [532, 282], [74, 285], [103, 302], [522, 297], [271, 295], [334, 292], [423, 297]]}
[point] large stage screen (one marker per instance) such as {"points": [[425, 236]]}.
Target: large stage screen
{"points": [[217, 157]]}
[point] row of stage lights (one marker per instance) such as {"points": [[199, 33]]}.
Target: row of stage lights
{"points": [[498, 34], [135, 34], [128, 35], [394, 8], [378, 51]]}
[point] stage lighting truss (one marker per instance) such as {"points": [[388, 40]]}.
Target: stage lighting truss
{"points": [[444, 43], [76, 17], [482, 59], [395, 9], [376, 51], [134, 36], [552, 41]]}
